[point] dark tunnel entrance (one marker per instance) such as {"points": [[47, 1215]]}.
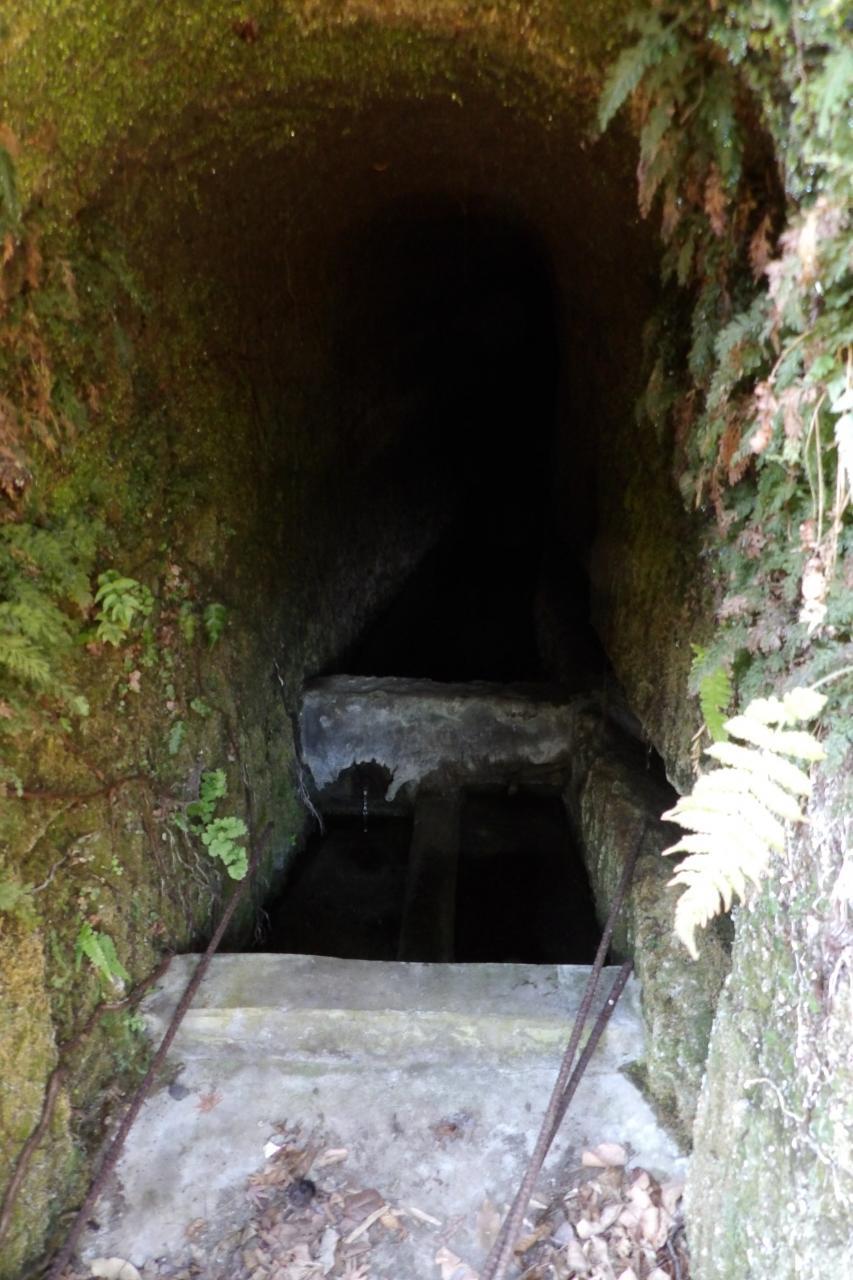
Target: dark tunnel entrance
{"points": [[453, 317], [456, 317]]}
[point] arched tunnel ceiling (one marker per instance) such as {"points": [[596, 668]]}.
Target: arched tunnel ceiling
{"points": [[243, 158], [289, 247]]}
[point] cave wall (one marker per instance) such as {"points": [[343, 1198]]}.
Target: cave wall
{"points": [[211, 175], [771, 1177]]}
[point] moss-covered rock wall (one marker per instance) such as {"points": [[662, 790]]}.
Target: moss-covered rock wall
{"points": [[771, 1179], [205, 398], [197, 405]]}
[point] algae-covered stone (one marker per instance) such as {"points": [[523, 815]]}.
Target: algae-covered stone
{"points": [[617, 803], [770, 1187], [28, 1058]]}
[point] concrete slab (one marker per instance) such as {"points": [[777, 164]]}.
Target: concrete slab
{"points": [[434, 1077], [413, 733]]}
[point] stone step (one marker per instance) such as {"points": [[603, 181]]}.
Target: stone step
{"points": [[433, 1078], [316, 1006]]}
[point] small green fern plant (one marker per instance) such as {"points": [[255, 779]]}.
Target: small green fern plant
{"points": [[735, 816], [714, 688], [123, 601], [220, 836], [44, 594], [100, 950]]}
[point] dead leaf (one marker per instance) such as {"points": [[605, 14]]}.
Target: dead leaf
{"points": [[328, 1250], [367, 1224], [208, 1101], [334, 1155], [760, 248], [715, 201], [607, 1155], [423, 1217], [670, 1194], [609, 1215], [577, 1259], [639, 1198], [453, 1268], [114, 1269], [527, 1242], [488, 1224], [360, 1203]]}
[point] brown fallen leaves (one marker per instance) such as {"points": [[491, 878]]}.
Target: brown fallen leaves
{"points": [[618, 1224], [294, 1236], [290, 1227], [305, 1219]]}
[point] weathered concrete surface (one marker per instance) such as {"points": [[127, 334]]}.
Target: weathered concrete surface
{"points": [[425, 733], [612, 797], [373, 1057]]}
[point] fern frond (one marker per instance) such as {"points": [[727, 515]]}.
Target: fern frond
{"points": [[787, 775], [714, 689], [696, 814], [721, 844], [732, 816], [729, 883], [787, 742], [715, 694], [25, 660], [631, 65], [696, 906], [741, 783]]}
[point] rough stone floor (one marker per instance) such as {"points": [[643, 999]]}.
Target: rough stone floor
{"points": [[404, 1096]]}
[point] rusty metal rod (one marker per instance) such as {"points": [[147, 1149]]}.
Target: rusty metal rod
{"points": [[114, 1150], [567, 1079]]}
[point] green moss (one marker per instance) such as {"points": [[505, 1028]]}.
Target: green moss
{"points": [[778, 1082], [27, 1058]]}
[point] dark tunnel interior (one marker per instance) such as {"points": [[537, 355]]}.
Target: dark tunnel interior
{"points": [[454, 317], [457, 316]]}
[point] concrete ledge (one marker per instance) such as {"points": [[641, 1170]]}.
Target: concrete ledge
{"points": [[409, 733], [317, 1008]]}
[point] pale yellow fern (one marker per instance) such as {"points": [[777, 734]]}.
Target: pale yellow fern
{"points": [[736, 814]]}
